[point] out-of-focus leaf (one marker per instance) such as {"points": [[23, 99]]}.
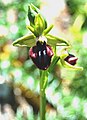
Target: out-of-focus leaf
{"points": [[78, 23], [28, 40]]}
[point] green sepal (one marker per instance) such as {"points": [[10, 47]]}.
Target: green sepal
{"points": [[53, 40], [28, 40]]}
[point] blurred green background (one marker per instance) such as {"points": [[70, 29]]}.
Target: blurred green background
{"points": [[66, 92]]}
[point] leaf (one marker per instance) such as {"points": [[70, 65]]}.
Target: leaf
{"points": [[53, 40], [28, 40]]}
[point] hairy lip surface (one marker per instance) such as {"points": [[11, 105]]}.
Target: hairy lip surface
{"points": [[41, 55]]}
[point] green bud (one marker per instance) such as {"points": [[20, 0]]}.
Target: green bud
{"points": [[39, 25], [33, 12]]}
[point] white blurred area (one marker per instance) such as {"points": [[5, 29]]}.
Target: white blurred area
{"points": [[5, 2], [11, 19], [85, 40], [55, 12], [3, 31], [51, 10]]}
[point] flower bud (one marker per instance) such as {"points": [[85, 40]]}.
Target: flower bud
{"points": [[41, 55], [36, 20]]}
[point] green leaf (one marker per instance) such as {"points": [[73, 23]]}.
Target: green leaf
{"points": [[53, 40], [28, 40]]}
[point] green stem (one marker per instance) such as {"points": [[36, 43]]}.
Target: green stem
{"points": [[43, 83]]}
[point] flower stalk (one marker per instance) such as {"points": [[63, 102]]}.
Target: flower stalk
{"points": [[43, 83]]}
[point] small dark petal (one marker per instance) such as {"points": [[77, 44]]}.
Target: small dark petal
{"points": [[41, 55], [71, 59]]}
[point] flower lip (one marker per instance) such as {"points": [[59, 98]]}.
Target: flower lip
{"points": [[71, 59], [41, 55]]}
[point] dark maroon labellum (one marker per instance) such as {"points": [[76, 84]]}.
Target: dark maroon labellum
{"points": [[71, 59], [41, 55]]}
